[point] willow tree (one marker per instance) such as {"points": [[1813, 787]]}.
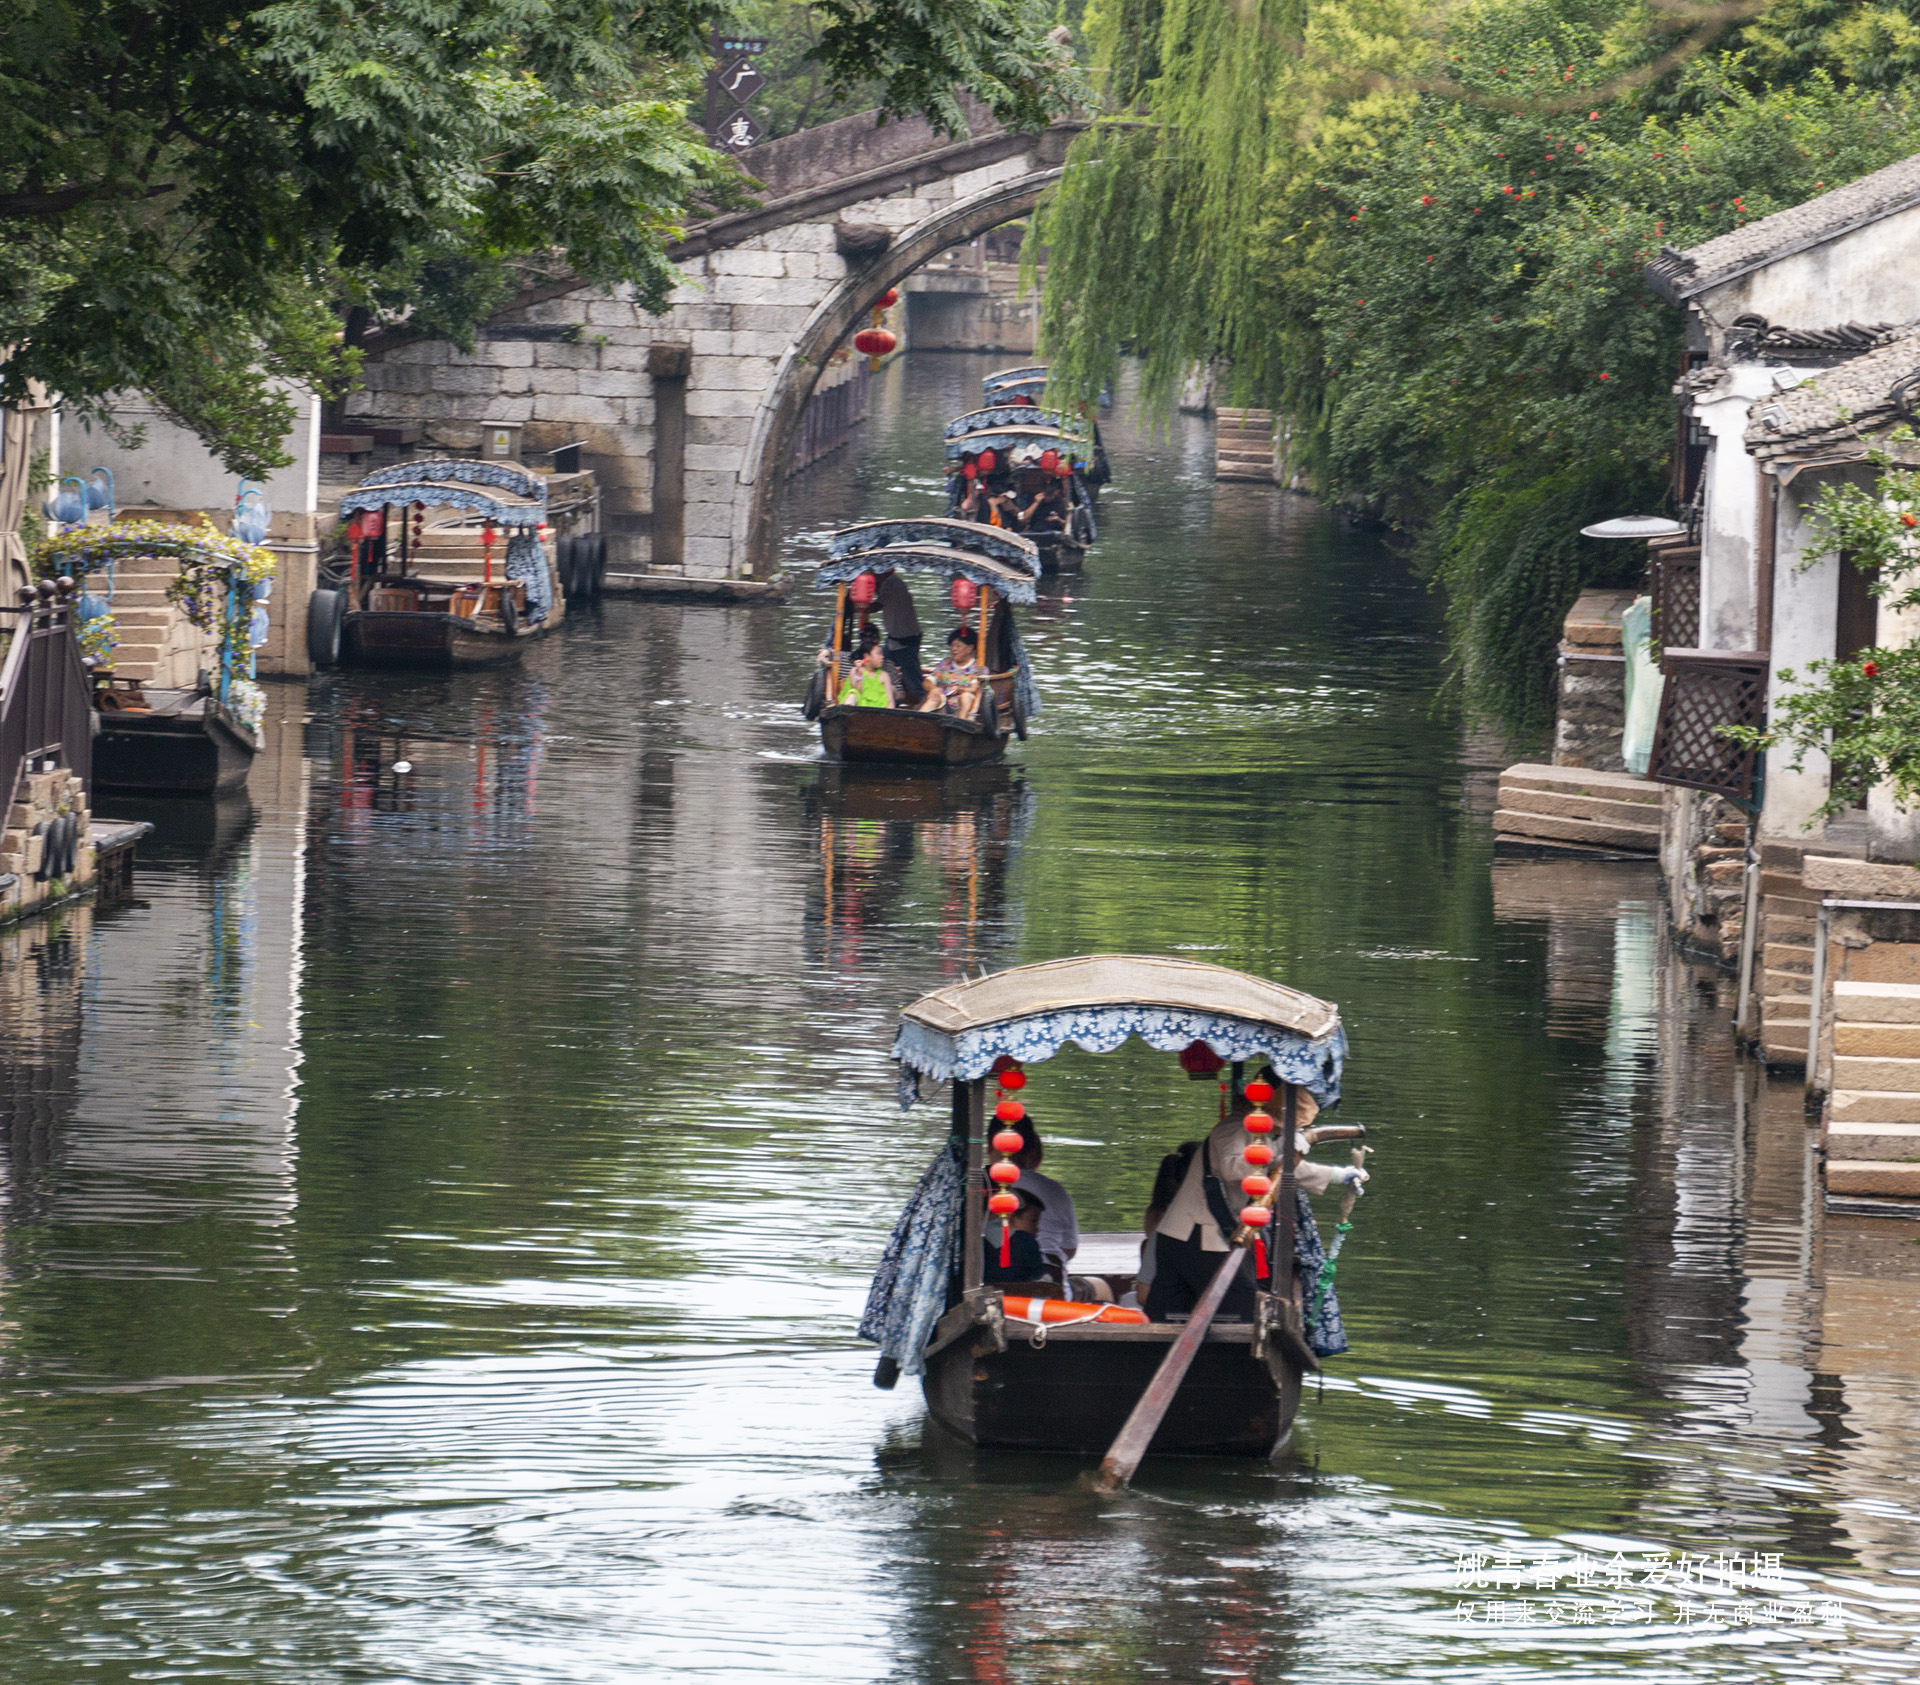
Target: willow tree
{"points": [[1417, 234]]}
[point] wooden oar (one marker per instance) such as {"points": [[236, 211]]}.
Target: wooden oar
{"points": [[1124, 1455]]}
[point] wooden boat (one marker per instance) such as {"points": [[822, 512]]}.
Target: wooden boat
{"points": [[185, 744], [412, 528], [1028, 385], [995, 1380], [158, 740], [998, 446], [1001, 568]]}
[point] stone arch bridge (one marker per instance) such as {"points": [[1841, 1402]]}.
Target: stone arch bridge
{"points": [[688, 418]]}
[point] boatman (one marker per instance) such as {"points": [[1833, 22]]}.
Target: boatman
{"points": [[902, 622], [1190, 1240]]}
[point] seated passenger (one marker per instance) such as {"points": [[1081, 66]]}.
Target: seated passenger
{"points": [[868, 685], [1024, 1262], [1002, 511], [955, 677], [973, 506], [1046, 509]]}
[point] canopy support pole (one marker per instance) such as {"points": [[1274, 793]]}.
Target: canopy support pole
{"points": [[1282, 1264], [986, 608], [970, 1114], [839, 626]]}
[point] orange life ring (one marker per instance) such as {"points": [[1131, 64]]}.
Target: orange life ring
{"points": [[1065, 1310]]}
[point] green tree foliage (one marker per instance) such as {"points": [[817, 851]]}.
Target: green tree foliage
{"points": [[1423, 247], [190, 190]]}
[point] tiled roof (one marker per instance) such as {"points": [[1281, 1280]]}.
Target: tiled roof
{"points": [[1834, 412], [1679, 275]]}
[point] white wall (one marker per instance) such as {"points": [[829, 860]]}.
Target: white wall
{"points": [[1869, 275], [173, 469], [1806, 601]]}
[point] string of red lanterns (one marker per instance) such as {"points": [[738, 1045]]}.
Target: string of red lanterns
{"points": [[1258, 1187], [1007, 1141]]}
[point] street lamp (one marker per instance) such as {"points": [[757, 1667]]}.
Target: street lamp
{"points": [[1635, 526]]}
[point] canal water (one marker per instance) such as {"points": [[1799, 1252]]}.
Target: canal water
{"points": [[438, 1207]]}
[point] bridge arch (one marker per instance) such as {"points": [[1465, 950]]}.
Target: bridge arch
{"points": [[763, 473]]}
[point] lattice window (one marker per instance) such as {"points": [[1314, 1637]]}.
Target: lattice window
{"points": [[1676, 597], [1704, 691]]}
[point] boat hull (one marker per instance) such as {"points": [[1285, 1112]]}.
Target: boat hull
{"points": [[1060, 554], [1074, 1394], [202, 751], [905, 736], [416, 638]]}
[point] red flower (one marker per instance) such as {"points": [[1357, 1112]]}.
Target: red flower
{"points": [[1593, 116], [1426, 198], [1606, 377], [1870, 668], [1910, 520]]}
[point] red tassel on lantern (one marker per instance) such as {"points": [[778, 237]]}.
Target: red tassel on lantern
{"points": [[1006, 1245], [1259, 1258]]}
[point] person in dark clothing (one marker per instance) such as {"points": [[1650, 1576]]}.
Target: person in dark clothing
{"points": [[902, 621], [1024, 1262]]}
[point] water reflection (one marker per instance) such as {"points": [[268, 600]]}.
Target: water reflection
{"points": [[437, 1209]]}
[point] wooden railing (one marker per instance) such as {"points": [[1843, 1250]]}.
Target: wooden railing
{"points": [[46, 703]]}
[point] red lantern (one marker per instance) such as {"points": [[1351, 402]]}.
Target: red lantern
{"points": [[968, 471], [1004, 1205], [1259, 1092], [1200, 1061], [863, 589], [874, 342], [987, 460], [1016, 1079], [1005, 1173], [1255, 1216], [1257, 1152], [1257, 1123], [888, 299], [1010, 1111], [963, 594], [1009, 1141], [1255, 1187], [1049, 462]]}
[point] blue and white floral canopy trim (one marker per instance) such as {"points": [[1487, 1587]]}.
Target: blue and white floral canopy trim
{"points": [[1097, 1002]]}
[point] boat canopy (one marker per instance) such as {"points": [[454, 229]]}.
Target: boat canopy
{"points": [[1014, 550], [1021, 444], [993, 385], [943, 559], [1098, 1000], [493, 491], [1012, 415]]}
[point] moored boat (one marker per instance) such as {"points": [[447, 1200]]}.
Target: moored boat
{"points": [[411, 528], [987, 572], [1046, 1365], [173, 740]]}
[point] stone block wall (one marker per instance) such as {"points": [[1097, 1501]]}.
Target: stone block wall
{"points": [[42, 798], [1593, 684]]}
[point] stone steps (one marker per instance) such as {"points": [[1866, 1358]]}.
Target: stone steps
{"points": [[1872, 1144], [1609, 811], [1243, 445]]}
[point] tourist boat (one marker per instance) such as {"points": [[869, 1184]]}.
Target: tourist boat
{"points": [[154, 739], [995, 1372], [1001, 446], [450, 565], [1028, 385], [988, 571]]}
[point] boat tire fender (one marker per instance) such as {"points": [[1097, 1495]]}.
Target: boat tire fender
{"points": [[509, 615], [816, 694], [326, 610], [597, 568], [565, 559]]}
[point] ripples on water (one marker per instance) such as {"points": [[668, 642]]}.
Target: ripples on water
{"points": [[436, 1211]]}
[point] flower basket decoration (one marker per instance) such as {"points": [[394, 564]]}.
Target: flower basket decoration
{"points": [[222, 588]]}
